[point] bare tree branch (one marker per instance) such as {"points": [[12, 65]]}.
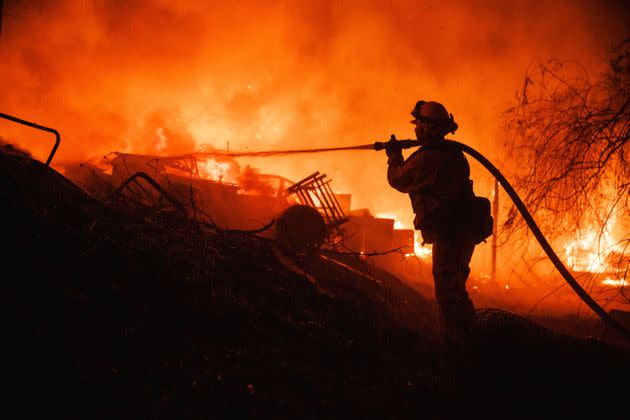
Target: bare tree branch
{"points": [[568, 137]]}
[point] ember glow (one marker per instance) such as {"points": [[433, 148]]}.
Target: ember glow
{"points": [[166, 78], [215, 171], [162, 140], [595, 252], [419, 250], [397, 223], [591, 252], [615, 282]]}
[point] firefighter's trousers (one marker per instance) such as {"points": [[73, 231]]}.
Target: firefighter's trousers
{"points": [[451, 259]]}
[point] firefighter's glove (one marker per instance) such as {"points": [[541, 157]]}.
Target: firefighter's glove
{"points": [[394, 153], [392, 148]]}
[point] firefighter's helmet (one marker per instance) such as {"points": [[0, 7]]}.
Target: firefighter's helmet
{"points": [[434, 114]]}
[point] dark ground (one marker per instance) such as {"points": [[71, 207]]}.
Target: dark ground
{"points": [[120, 315]]}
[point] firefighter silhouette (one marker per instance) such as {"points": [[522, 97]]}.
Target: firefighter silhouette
{"points": [[436, 177]]}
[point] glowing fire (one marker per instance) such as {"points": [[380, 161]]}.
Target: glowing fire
{"points": [[593, 252], [213, 170], [397, 223], [162, 141], [615, 282], [419, 250]]}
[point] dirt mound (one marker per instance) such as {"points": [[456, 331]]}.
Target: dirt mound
{"points": [[142, 314]]}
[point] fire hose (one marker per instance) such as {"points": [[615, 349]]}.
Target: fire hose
{"points": [[406, 144], [566, 274]]}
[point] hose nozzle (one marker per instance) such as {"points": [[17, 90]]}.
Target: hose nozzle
{"points": [[395, 144]]}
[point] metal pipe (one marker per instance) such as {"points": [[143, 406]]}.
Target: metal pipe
{"points": [[39, 127], [336, 206], [326, 205]]}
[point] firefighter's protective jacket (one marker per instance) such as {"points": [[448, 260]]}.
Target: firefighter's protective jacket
{"points": [[432, 176]]}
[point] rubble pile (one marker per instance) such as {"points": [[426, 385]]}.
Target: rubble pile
{"points": [[124, 312]]}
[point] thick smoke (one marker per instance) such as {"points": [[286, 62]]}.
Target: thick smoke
{"points": [[168, 77]]}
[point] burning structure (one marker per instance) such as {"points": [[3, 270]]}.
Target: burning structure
{"points": [[234, 333], [263, 75], [218, 191]]}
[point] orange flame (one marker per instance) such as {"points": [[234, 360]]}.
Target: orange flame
{"points": [[162, 141], [419, 250], [594, 251], [215, 171]]}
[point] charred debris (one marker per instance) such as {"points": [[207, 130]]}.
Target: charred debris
{"points": [[131, 295], [216, 193]]}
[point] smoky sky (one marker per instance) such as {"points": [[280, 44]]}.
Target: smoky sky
{"points": [[284, 74]]}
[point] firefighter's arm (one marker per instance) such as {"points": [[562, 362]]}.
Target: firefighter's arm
{"points": [[408, 175]]}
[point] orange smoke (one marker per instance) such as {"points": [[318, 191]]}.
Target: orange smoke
{"points": [[167, 77]]}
